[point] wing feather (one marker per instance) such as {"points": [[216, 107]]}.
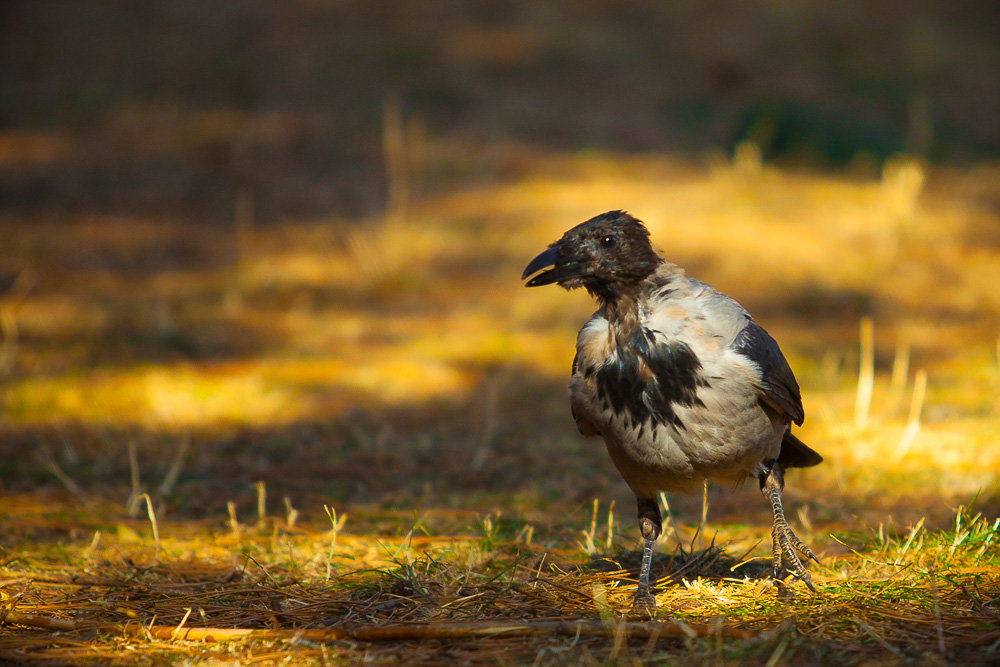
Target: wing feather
{"points": [[777, 383]]}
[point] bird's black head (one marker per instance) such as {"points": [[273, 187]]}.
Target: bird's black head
{"points": [[608, 255]]}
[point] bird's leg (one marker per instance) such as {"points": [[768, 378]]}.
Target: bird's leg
{"points": [[649, 526], [785, 544]]}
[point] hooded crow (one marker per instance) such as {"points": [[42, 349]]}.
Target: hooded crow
{"points": [[677, 378]]}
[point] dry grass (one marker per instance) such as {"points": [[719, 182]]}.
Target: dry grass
{"points": [[233, 432], [423, 377]]}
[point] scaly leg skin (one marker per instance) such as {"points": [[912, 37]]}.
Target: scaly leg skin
{"points": [[649, 526], [785, 544]]}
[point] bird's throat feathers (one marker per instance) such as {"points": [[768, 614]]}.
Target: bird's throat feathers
{"points": [[622, 302], [621, 292], [623, 316]]}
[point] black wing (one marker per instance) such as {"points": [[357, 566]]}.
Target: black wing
{"points": [[778, 383]]}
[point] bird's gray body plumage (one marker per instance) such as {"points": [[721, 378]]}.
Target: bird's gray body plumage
{"points": [[716, 420]]}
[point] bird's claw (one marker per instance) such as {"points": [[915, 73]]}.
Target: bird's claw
{"points": [[644, 601], [786, 547]]}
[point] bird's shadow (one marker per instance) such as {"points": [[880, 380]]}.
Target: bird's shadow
{"points": [[668, 569]]}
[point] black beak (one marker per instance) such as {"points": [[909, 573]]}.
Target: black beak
{"points": [[563, 267]]}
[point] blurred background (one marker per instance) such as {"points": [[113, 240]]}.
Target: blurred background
{"points": [[246, 241], [175, 107]]}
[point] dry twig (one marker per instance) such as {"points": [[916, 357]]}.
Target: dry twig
{"points": [[394, 632]]}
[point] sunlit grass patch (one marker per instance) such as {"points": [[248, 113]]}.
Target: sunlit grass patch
{"points": [[269, 392], [152, 396], [397, 371], [912, 592]]}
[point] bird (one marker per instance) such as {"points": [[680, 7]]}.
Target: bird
{"points": [[678, 379]]}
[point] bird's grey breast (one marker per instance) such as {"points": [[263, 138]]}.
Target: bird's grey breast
{"points": [[647, 372], [672, 400]]}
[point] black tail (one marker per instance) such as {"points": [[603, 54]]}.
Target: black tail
{"points": [[795, 453]]}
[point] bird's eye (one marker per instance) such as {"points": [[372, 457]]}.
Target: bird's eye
{"points": [[608, 241]]}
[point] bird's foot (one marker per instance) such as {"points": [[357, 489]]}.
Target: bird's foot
{"points": [[786, 547], [786, 551], [649, 525], [644, 602]]}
